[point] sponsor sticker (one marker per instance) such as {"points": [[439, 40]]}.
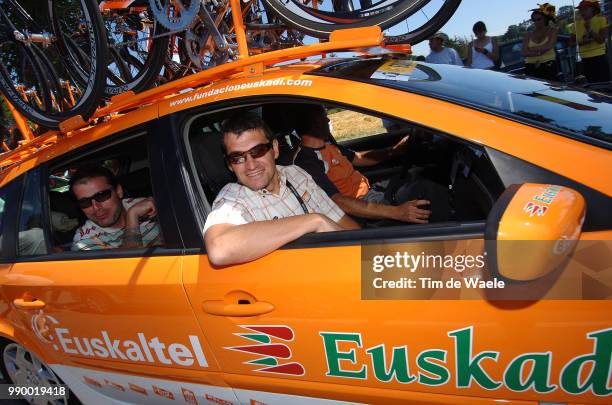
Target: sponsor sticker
{"points": [[189, 396], [163, 393], [532, 209], [139, 348], [92, 381], [220, 401], [138, 389], [272, 354]]}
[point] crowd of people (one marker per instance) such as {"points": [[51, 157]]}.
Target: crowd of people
{"points": [[588, 33]]}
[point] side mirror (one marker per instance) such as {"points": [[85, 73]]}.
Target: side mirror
{"points": [[532, 230]]}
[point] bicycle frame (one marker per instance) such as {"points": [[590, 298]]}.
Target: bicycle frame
{"points": [[20, 121]]}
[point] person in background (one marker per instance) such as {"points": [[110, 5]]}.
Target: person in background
{"points": [[590, 31], [440, 53], [539, 44], [483, 52]]}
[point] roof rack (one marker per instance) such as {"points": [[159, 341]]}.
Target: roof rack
{"points": [[353, 39]]}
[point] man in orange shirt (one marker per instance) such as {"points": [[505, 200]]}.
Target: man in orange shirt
{"points": [[332, 168]]}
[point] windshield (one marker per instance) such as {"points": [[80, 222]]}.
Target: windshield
{"points": [[578, 113]]}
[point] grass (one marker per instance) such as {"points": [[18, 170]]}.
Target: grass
{"points": [[350, 124]]}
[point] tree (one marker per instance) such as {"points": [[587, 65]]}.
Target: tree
{"points": [[460, 44], [566, 13], [515, 31]]}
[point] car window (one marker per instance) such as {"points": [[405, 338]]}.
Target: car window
{"points": [[32, 239], [347, 124], [433, 163], [570, 111], [111, 185]]}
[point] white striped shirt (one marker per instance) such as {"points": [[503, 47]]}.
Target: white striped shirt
{"points": [[94, 237], [237, 204]]}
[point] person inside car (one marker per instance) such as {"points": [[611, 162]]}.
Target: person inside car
{"points": [[332, 167], [270, 205], [112, 221]]}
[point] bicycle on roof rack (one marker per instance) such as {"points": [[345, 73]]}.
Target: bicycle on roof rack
{"points": [[54, 65], [154, 41], [52, 58]]}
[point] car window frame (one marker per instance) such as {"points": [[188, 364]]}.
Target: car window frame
{"points": [[43, 197], [452, 230], [8, 250], [166, 219]]}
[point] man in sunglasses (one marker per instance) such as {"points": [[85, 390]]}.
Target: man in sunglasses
{"points": [[270, 205], [112, 221]]}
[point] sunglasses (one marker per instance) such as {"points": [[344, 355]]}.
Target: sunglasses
{"points": [[100, 196], [537, 19], [257, 151]]}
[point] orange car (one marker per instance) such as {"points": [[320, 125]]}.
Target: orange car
{"points": [[521, 313]]}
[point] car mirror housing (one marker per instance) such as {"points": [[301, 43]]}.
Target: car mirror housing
{"points": [[532, 230]]}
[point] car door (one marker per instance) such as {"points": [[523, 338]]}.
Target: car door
{"points": [[115, 325], [314, 321]]}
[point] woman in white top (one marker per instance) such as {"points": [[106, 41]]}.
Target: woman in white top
{"points": [[483, 52]]}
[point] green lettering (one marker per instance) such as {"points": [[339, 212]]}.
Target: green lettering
{"points": [[598, 378], [333, 356], [398, 368], [432, 368], [542, 199], [538, 376], [468, 367]]}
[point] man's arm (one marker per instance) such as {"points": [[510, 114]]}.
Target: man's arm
{"points": [[231, 244], [406, 212], [143, 209], [375, 156]]}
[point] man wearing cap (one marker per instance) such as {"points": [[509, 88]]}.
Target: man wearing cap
{"points": [[441, 54], [590, 31]]}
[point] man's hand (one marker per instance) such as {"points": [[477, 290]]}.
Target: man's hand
{"points": [[401, 147], [144, 209], [410, 212]]}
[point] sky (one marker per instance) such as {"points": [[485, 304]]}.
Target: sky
{"points": [[496, 14]]}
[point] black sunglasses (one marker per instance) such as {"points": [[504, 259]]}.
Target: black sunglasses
{"points": [[256, 151], [100, 196]]}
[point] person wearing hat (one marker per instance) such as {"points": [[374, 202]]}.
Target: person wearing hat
{"points": [[590, 31], [441, 54], [539, 44]]}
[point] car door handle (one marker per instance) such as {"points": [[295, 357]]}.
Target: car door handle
{"points": [[28, 304], [223, 308]]}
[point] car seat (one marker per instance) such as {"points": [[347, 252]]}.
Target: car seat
{"points": [[209, 160]]}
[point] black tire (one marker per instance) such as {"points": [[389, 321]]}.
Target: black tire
{"points": [[144, 64], [91, 71], [425, 31], [79, 64], [319, 23]]}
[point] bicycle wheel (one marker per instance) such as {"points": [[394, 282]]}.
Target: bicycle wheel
{"points": [[53, 60], [136, 49], [320, 22], [418, 31]]}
